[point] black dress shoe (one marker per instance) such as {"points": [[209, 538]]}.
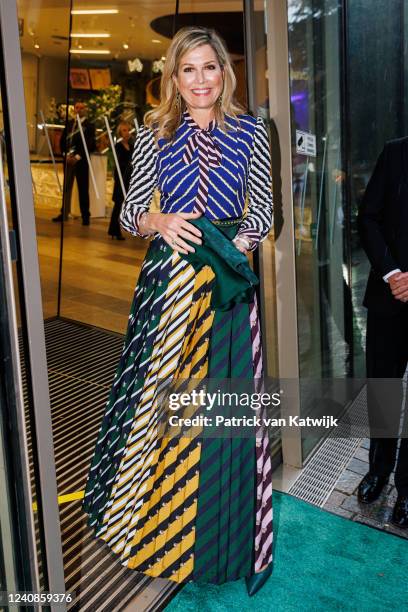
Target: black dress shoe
{"points": [[85, 221], [256, 581], [57, 219], [117, 237], [400, 512], [370, 488]]}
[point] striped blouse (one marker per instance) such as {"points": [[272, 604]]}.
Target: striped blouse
{"points": [[243, 171]]}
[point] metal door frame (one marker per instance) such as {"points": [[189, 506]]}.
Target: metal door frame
{"points": [[30, 297], [285, 260], [276, 18]]}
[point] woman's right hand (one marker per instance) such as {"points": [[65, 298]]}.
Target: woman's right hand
{"points": [[175, 229]]}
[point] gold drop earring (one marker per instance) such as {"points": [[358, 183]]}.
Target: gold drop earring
{"points": [[220, 99]]}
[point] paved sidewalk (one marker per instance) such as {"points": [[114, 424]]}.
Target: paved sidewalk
{"points": [[343, 500]]}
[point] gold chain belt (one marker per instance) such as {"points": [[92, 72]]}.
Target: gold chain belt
{"points": [[224, 222]]}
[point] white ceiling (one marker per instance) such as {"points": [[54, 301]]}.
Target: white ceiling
{"points": [[46, 23]]}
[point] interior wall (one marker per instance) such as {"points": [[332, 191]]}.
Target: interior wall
{"points": [[52, 83], [30, 73], [44, 78]]}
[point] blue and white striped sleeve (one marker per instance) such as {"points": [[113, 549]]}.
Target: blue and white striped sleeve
{"points": [[142, 182], [258, 220]]}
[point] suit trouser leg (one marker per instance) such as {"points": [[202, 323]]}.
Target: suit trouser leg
{"points": [[68, 184], [401, 471], [386, 358], [82, 177], [114, 226]]}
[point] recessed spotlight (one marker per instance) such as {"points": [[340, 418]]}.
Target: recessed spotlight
{"points": [[156, 40], [36, 46], [90, 35], [125, 46], [94, 11], [163, 57], [91, 51]]}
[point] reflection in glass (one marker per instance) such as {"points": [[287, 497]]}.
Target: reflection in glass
{"points": [[10, 310], [44, 43], [117, 77], [8, 578], [376, 63]]}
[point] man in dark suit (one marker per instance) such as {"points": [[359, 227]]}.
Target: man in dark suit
{"points": [[383, 227], [76, 163]]}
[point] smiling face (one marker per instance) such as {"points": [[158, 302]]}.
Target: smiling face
{"points": [[200, 78]]}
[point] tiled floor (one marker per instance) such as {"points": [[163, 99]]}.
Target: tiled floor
{"points": [[343, 500]]}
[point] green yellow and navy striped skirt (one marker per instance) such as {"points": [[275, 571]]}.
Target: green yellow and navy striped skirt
{"points": [[182, 508]]}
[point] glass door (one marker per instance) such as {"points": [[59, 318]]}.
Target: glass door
{"points": [[324, 307], [16, 572], [30, 537]]}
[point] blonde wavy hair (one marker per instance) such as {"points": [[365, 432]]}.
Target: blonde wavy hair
{"points": [[166, 118]]}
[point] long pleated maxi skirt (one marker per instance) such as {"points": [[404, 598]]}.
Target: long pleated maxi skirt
{"points": [[180, 508]]}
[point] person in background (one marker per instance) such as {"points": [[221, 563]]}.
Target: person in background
{"points": [[383, 228], [124, 149], [76, 163]]}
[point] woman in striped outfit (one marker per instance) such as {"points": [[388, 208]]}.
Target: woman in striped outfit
{"points": [[190, 508]]}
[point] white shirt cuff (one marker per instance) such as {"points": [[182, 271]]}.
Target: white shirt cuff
{"points": [[387, 276]]}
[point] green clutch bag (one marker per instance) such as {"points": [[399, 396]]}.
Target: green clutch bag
{"points": [[234, 282]]}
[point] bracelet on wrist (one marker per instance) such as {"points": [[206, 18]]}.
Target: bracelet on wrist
{"points": [[244, 242], [142, 224], [142, 220]]}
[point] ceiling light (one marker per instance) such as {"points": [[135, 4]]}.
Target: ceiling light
{"points": [[91, 51], [36, 46], [125, 46], [96, 35], [94, 11], [155, 40]]}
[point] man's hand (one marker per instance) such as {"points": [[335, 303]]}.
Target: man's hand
{"points": [[72, 159], [399, 286]]}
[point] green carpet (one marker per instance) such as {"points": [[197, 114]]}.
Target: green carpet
{"points": [[322, 562]]}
